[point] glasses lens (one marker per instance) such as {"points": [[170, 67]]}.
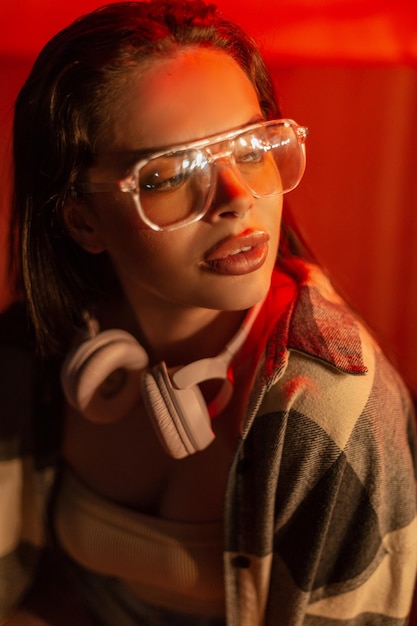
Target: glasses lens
{"points": [[173, 188], [256, 164], [270, 159]]}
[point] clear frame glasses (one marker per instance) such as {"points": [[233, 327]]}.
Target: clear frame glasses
{"points": [[175, 187]]}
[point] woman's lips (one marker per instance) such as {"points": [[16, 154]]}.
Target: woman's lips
{"points": [[238, 255]]}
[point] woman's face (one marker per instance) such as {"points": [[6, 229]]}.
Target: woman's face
{"points": [[225, 260]]}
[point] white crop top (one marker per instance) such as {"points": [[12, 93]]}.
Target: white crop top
{"points": [[175, 565]]}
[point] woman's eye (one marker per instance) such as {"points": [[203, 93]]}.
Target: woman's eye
{"points": [[162, 181], [251, 156], [166, 173]]}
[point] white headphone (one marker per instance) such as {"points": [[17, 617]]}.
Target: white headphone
{"points": [[104, 376]]}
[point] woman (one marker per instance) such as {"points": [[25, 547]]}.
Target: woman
{"points": [[213, 435]]}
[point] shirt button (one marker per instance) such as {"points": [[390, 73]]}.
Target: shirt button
{"points": [[241, 561]]}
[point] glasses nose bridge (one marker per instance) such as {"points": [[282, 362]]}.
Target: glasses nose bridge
{"points": [[221, 150], [225, 168]]}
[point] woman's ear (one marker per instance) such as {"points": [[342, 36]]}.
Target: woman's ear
{"points": [[80, 224]]}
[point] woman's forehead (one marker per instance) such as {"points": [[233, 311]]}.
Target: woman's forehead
{"points": [[196, 93]]}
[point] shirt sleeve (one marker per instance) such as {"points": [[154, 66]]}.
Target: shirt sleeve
{"points": [[21, 481]]}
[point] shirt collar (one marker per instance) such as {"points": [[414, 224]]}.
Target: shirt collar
{"points": [[318, 324]]}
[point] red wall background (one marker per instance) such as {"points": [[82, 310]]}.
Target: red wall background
{"points": [[348, 70]]}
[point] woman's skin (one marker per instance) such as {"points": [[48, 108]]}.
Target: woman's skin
{"points": [[184, 301], [170, 278], [185, 292]]}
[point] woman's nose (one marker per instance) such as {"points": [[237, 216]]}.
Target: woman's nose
{"points": [[232, 196]]}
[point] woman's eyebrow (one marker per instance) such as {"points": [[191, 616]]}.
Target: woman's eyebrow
{"points": [[256, 118], [125, 159], [129, 154], [133, 156]]}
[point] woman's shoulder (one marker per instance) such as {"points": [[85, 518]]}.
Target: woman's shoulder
{"points": [[29, 388], [334, 364], [332, 381], [324, 326], [317, 323], [325, 342], [17, 374], [17, 353]]}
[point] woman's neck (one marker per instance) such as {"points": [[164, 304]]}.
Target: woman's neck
{"points": [[176, 335]]}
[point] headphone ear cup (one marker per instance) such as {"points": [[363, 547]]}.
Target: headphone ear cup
{"points": [[100, 378], [179, 416]]}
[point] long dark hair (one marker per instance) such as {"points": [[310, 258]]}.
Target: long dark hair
{"points": [[59, 115]]}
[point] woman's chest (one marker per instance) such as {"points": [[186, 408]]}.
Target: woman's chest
{"points": [[125, 462]]}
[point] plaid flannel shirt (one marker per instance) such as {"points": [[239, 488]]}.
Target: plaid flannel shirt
{"points": [[320, 507]]}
